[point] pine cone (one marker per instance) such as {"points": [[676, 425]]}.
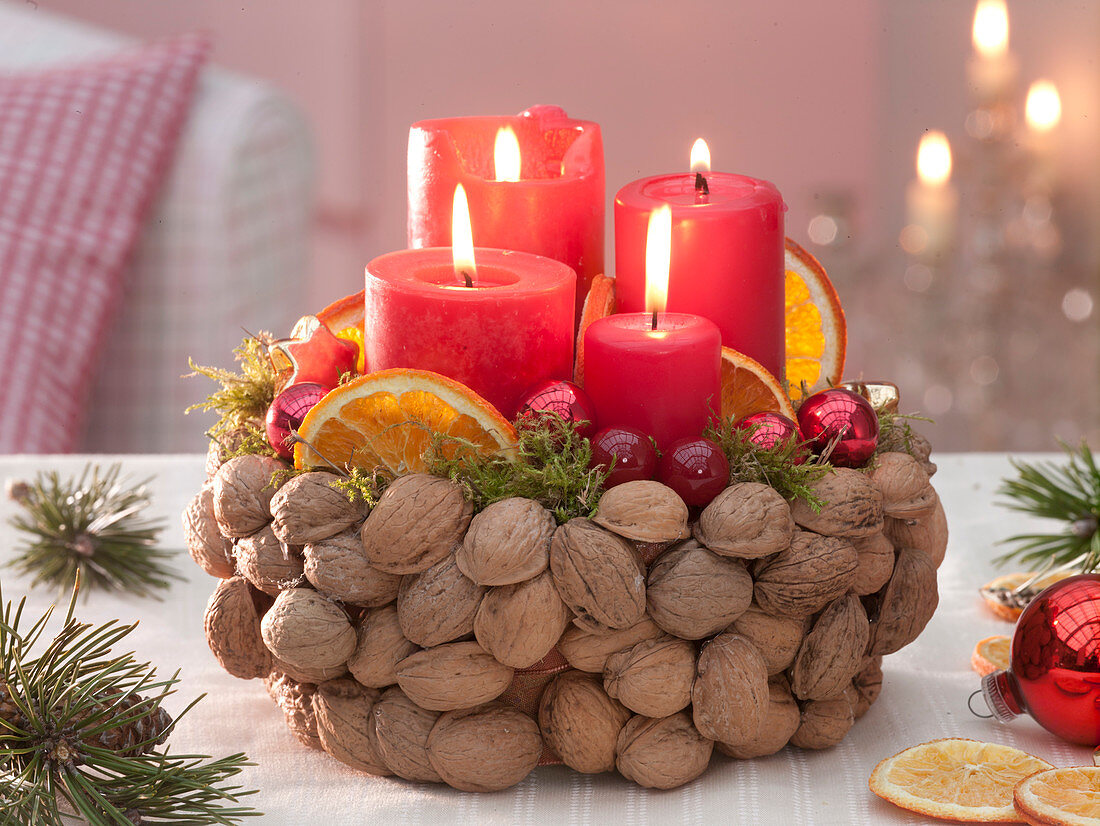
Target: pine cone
{"points": [[150, 731]]}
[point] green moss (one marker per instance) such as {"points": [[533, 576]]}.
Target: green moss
{"points": [[244, 397]]}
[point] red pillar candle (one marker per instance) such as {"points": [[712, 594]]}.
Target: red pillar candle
{"points": [[665, 381], [727, 256], [555, 209], [500, 337]]}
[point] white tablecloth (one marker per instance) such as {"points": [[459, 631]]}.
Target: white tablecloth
{"points": [[924, 696]]}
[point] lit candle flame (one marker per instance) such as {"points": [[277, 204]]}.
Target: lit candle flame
{"points": [[934, 159], [462, 239], [506, 155], [1044, 106], [990, 31], [700, 156], [658, 255]]}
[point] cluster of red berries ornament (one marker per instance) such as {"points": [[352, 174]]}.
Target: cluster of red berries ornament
{"points": [[285, 414], [844, 419], [563, 398]]}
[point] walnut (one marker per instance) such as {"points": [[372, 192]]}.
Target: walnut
{"points": [[589, 650], [852, 509], [219, 450], [905, 440], [380, 645], [906, 491], [746, 520], [832, 652], [928, 534], [508, 542], [267, 563], [307, 675], [805, 577], [308, 509], [908, 602], [643, 510], [345, 724], [233, 630], [652, 678], [781, 720], [867, 684], [296, 701], [417, 522], [693, 593], [454, 675], [598, 575], [438, 605], [308, 630], [580, 722], [662, 753], [649, 551], [519, 624], [875, 563], [210, 550], [402, 728], [338, 568], [730, 694], [776, 638], [243, 488], [484, 749], [824, 723]]}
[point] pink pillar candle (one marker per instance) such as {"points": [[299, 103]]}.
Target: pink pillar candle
{"points": [[665, 382], [556, 209], [511, 330], [727, 256]]}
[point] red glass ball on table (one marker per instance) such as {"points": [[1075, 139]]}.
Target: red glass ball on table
{"points": [[627, 451], [697, 469], [840, 415]]}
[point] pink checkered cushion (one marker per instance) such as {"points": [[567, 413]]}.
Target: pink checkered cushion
{"points": [[82, 150]]}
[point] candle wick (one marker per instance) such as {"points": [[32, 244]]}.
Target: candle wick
{"points": [[466, 277], [653, 325], [701, 186]]}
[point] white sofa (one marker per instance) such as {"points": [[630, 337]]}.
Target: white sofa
{"points": [[225, 247]]}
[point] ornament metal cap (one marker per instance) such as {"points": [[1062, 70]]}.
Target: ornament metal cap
{"points": [[993, 686]]}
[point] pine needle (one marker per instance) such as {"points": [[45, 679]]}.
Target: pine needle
{"points": [[1067, 493]]}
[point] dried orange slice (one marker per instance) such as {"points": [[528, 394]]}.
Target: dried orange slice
{"points": [[747, 388], [1003, 600], [955, 779], [991, 654], [347, 312], [817, 335], [1065, 797], [389, 418], [355, 336], [599, 302]]}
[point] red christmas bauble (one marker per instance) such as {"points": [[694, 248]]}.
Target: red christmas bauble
{"points": [[286, 412], [837, 412], [1055, 664], [768, 430], [563, 398], [697, 469], [627, 451]]}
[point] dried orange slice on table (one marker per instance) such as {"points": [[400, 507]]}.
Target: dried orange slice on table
{"points": [[1061, 797], [747, 388], [817, 336], [391, 417], [991, 654], [998, 595], [955, 779], [599, 303]]}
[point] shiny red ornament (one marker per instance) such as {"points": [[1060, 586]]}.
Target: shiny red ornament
{"points": [[627, 451], [1055, 671], [313, 354], [838, 412], [697, 469], [769, 430], [563, 398], [286, 412]]}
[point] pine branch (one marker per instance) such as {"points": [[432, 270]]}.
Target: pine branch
{"points": [[91, 526], [1067, 493], [79, 731]]}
